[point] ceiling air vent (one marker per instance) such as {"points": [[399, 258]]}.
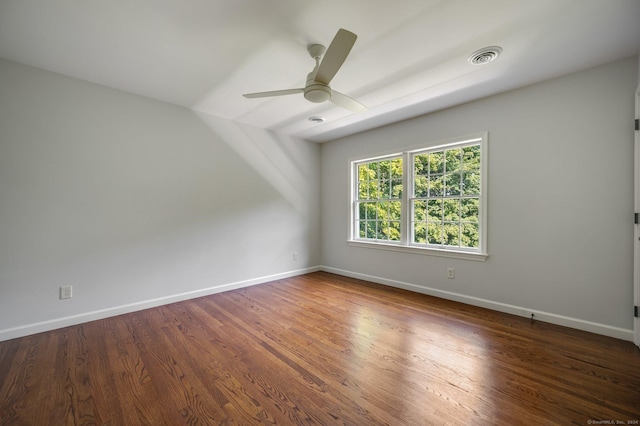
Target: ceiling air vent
{"points": [[485, 55]]}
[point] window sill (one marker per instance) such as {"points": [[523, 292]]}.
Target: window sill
{"points": [[478, 257]]}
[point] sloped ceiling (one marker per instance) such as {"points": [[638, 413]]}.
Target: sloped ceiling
{"points": [[410, 57]]}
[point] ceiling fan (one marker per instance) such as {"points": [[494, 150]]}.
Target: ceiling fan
{"points": [[317, 88]]}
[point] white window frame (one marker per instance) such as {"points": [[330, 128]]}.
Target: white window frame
{"points": [[405, 244]]}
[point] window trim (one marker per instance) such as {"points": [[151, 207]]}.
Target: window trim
{"points": [[405, 244]]}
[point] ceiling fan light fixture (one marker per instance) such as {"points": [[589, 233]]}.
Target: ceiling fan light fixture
{"points": [[317, 93], [485, 55]]}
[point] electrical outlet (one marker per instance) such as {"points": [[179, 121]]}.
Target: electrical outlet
{"points": [[295, 255], [451, 273], [65, 292]]}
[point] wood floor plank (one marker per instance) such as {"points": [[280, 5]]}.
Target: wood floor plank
{"points": [[318, 349], [15, 395]]}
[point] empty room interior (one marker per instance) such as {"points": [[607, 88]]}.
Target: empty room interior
{"points": [[301, 212]]}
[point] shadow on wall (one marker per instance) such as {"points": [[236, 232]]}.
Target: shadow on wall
{"points": [[129, 200], [277, 158]]}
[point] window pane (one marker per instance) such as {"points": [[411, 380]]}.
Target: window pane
{"points": [[362, 226], [452, 210], [374, 190], [396, 188], [420, 232], [394, 230], [421, 186], [383, 230], [434, 210], [436, 187], [371, 229], [363, 181], [373, 171], [434, 232], [383, 210], [384, 170], [363, 194], [471, 157], [395, 210], [453, 159], [469, 209], [470, 235], [451, 234], [471, 183], [371, 210], [363, 172], [396, 168], [421, 164], [384, 188], [436, 162], [452, 184], [362, 211], [419, 210]]}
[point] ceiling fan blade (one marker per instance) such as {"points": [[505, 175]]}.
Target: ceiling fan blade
{"points": [[346, 102], [335, 55], [273, 93]]}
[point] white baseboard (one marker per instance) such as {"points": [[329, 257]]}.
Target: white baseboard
{"points": [[26, 330], [606, 330], [39, 327]]}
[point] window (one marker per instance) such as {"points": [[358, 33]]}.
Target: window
{"points": [[429, 199], [379, 200]]}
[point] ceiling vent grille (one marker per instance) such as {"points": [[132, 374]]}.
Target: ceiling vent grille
{"points": [[485, 55]]}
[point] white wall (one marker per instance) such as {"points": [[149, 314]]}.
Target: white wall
{"points": [[560, 232], [136, 203]]}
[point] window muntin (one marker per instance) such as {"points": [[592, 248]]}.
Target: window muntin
{"points": [[441, 209]]}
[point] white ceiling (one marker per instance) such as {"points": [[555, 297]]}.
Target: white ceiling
{"points": [[410, 57]]}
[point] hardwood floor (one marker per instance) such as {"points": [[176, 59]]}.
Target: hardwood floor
{"points": [[318, 349]]}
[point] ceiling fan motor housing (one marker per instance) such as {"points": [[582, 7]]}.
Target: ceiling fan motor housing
{"points": [[317, 92]]}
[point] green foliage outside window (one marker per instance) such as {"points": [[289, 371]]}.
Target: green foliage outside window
{"points": [[446, 197], [379, 199]]}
